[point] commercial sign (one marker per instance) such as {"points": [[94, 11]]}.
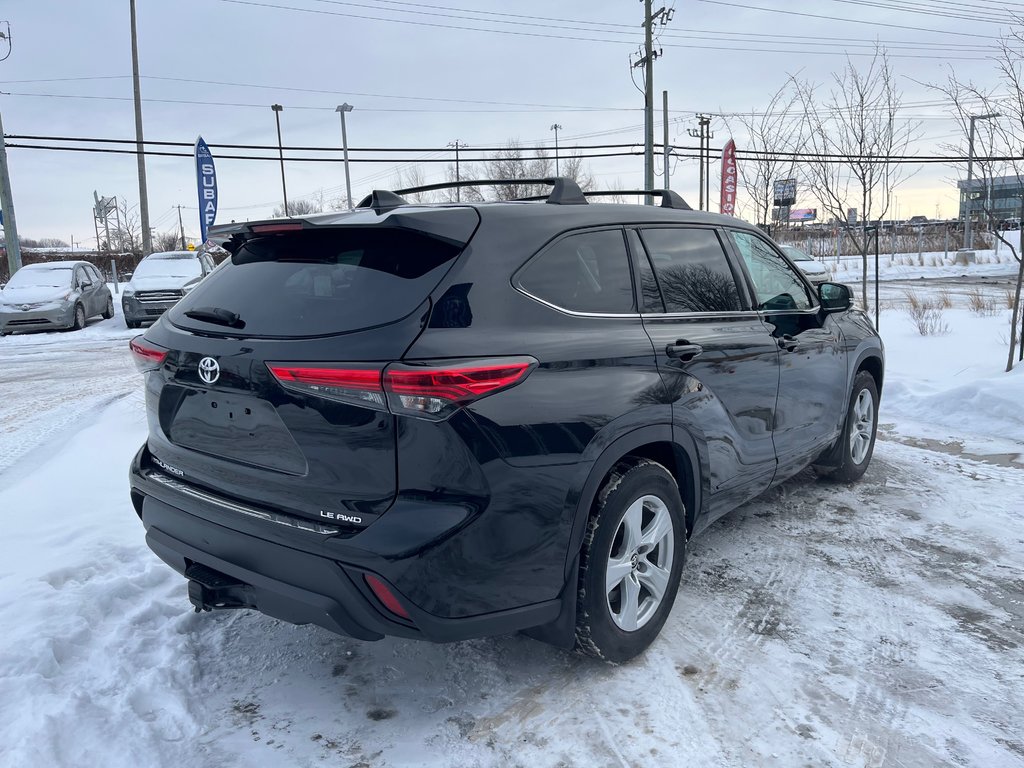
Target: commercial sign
{"points": [[206, 180], [785, 192], [803, 214], [727, 199]]}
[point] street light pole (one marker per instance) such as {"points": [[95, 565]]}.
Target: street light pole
{"points": [[342, 109], [968, 231], [280, 150], [556, 128]]}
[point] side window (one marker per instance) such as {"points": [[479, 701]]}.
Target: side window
{"points": [[588, 272], [80, 277], [775, 284], [96, 276], [692, 269], [650, 293]]}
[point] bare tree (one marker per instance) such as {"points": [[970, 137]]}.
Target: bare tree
{"points": [[412, 176], [300, 207], [127, 236], [511, 162], [853, 131], [996, 151], [774, 134], [167, 241]]}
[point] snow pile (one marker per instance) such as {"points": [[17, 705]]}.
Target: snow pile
{"points": [[931, 265], [957, 381]]}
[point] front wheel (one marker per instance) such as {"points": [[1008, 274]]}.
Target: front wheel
{"points": [[79, 323], [858, 441], [632, 558]]}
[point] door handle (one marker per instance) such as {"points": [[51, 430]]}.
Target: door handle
{"points": [[684, 350], [788, 343]]}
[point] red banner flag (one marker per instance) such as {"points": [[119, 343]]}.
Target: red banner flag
{"points": [[729, 180]]}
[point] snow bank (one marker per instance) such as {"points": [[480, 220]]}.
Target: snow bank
{"points": [[955, 381]]}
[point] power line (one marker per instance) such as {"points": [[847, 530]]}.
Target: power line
{"points": [[683, 151], [789, 12], [419, 23]]}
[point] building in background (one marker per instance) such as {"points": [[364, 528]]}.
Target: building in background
{"points": [[999, 195]]}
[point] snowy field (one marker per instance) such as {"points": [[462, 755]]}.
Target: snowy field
{"points": [[880, 624]]}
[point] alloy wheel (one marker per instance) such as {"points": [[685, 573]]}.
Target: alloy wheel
{"points": [[862, 427], [639, 563]]}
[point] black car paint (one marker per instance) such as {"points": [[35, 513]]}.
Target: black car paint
{"points": [[480, 524]]}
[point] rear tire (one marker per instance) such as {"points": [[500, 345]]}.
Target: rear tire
{"points": [[857, 444], [109, 311], [631, 561]]}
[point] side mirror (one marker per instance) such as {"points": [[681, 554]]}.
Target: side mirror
{"points": [[834, 297], [85, 284]]}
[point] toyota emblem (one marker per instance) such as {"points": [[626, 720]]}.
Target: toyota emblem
{"points": [[209, 370]]}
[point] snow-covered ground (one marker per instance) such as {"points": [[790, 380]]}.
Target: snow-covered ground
{"points": [[880, 624]]}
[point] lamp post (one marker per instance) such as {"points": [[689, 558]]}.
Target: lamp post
{"points": [[968, 231], [280, 150], [342, 109], [556, 128]]}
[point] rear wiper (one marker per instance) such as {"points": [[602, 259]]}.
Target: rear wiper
{"points": [[216, 315]]}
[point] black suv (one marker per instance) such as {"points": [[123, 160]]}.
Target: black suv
{"points": [[451, 421]]}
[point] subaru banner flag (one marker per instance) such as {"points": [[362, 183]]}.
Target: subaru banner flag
{"points": [[206, 179]]}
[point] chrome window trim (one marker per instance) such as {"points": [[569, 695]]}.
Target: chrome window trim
{"points": [[572, 312], [735, 313], [242, 509]]}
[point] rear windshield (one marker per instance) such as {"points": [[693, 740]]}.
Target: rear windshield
{"points": [[316, 283]]}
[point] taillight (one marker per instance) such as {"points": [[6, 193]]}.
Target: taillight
{"points": [[347, 384], [147, 355], [431, 390]]}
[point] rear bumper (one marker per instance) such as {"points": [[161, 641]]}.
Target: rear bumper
{"points": [[305, 577]]}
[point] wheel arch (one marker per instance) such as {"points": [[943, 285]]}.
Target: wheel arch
{"points": [[658, 443]]}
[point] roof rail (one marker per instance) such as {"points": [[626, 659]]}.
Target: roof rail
{"points": [[669, 199], [382, 201], [564, 191]]}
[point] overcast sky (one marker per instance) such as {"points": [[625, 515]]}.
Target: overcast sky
{"points": [[424, 75]]}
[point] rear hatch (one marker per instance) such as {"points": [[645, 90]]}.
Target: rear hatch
{"points": [[261, 394]]}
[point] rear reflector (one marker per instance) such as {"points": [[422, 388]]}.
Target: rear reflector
{"points": [[386, 596], [147, 356], [431, 390]]}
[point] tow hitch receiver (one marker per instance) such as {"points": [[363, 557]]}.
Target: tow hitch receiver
{"points": [[209, 589]]}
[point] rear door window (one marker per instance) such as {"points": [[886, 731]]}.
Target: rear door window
{"points": [[692, 269], [316, 283], [585, 272]]}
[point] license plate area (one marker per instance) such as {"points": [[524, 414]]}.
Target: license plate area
{"points": [[243, 429]]}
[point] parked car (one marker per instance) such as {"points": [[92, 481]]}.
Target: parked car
{"points": [[54, 295], [813, 269], [159, 281], [450, 421]]}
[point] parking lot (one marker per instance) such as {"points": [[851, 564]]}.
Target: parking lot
{"points": [[872, 625]]}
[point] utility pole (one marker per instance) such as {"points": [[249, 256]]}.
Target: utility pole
{"points": [[556, 128], [664, 119], [182, 227], [7, 208], [342, 109], [147, 240], [703, 132], [280, 150], [458, 190], [664, 16]]}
